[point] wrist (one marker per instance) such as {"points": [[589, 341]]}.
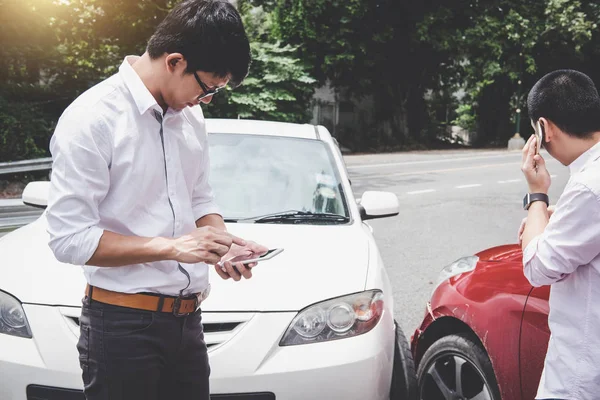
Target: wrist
{"points": [[165, 248], [538, 206], [535, 197], [536, 189]]}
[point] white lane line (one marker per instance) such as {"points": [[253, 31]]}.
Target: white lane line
{"points": [[553, 176], [421, 191], [439, 160], [468, 186], [510, 181]]}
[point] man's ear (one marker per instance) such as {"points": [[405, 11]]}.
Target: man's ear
{"points": [[175, 61], [549, 129]]}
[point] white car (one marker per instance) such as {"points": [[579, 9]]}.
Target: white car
{"points": [[315, 322]]}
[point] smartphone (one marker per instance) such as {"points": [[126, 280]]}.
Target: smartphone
{"points": [[251, 258], [539, 133]]}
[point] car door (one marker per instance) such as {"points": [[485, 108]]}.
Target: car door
{"points": [[534, 340]]}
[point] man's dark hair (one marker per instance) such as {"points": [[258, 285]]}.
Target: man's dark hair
{"points": [[569, 99], [209, 34]]}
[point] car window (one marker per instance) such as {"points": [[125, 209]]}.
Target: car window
{"points": [[254, 175]]}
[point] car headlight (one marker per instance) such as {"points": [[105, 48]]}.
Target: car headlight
{"points": [[339, 318], [12, 317], [460, 266]]}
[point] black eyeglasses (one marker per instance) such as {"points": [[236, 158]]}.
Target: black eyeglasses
{"points": [[207, 92]]}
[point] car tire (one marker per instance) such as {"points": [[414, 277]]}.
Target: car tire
{"points": [[437, 373], [404, 378]]}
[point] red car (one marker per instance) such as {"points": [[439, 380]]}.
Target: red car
{"points": [[485, 331]]}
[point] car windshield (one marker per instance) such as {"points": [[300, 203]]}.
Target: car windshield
{"points": [[256, 176]]}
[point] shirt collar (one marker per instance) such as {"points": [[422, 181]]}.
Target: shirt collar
{"points": [[141, 95], [583, 160]]}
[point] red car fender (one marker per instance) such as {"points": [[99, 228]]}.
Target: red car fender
{"points": [[489, 303]]}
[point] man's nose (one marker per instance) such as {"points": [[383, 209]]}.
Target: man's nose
{"points": [[207, 100]]}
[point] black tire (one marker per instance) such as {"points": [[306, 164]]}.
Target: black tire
{"points": [[437, 372], [404, 378]]}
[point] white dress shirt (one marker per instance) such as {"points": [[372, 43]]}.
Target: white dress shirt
{"points": [[567, 256], [113, 171]]}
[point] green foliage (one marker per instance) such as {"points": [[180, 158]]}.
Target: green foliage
{"points": [[465, 117], [404, 60], [278, 88], [367, 50], [70, 45], [24, 130], [492, 43]]}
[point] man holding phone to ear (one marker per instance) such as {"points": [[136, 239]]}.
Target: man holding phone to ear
{"points": [[130, 201], [564, 250]]}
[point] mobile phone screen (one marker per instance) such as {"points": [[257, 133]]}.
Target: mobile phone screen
{"points": [[251, 256]]}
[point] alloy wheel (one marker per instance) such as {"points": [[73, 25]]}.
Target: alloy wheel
{"points": [[454, 377]]}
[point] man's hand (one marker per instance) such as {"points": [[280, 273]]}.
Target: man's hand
{"points": [[206, 244], [524, 222], [534, 168], [236, 271]]}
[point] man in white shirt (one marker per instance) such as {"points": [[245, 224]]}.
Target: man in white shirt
{"points": [[563, 250], [130, 201]]}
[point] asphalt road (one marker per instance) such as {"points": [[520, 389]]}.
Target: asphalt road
{"points": [[453, 204]]}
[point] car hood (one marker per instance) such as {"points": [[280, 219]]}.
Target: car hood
{"points": [[318, 263], [505, 253]]}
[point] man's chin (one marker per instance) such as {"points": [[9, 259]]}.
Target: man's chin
{"points": [[180, 107]]}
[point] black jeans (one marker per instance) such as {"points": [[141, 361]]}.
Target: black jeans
{"points": [[128, 354]]}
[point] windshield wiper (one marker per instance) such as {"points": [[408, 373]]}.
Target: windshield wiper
{"points": [[295, 217]]}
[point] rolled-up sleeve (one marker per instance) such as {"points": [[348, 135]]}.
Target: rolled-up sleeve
{"points": [[81, 152], [203, 199], [571, 239]]}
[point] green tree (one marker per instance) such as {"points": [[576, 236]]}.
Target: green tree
{"points": [[492, 45], [398, 52], [25, 53], [369, 51], [70, 45], [278, 87]]}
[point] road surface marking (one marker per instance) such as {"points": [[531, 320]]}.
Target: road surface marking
{"points": [[468, 186], [422, 191], [510, 181]]}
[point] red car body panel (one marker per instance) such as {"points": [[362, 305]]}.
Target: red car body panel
{"points": [[492, 301], [534, 340]]}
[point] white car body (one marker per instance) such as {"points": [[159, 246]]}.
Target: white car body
{"points": [[244, 321]]}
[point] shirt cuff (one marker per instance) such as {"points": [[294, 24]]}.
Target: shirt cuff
{"points": [[530, 250], [533, 267], [88, 244], [202, 210]]}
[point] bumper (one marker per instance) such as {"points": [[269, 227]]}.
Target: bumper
{"points": [[249, 360], [50, 359]]}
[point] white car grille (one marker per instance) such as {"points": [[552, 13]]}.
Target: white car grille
{"points": [[218, 327]]}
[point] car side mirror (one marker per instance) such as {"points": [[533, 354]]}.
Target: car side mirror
{"points": [[375, 204], [35, 194]]}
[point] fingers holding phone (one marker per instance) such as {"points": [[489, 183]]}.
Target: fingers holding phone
{"points": [[228, 270], [241, 265]]}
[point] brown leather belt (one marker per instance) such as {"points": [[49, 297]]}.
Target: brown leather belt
{"points": [[179, 306]]}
